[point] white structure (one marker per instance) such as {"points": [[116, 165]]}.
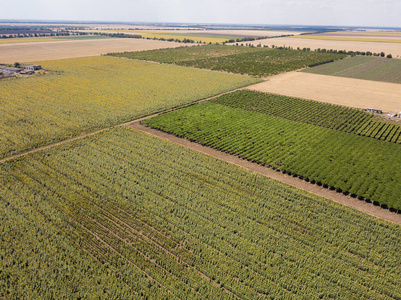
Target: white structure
{"points": [[33, 67], [373, 110]]}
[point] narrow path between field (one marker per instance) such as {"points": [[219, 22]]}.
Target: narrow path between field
{"points": [[121, 124], [296, 182]]}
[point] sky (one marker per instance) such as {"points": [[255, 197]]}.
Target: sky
{"points": [[369, 13]]}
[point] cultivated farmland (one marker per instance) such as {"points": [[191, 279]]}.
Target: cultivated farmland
{"points": [[313, 44], [315, 113], [336, 90], [363, 67], [177, 35], [359, 165], [86, 94], [201, 36], [361, 38], [52, 39], [243, 60], [124, 215], [33, 51]]}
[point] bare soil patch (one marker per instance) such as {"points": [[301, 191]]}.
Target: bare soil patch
{"points": [[28, 52], [296, 182], [240, 33], [351, 92], [375, 47]]}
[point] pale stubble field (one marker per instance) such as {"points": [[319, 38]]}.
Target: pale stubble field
{"points": [[376, 47], [336, 90], [29, 52]]}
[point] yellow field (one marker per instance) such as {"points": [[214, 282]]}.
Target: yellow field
{"points": [[180, 36], [91, 93], [27, 40], [350, 39]]}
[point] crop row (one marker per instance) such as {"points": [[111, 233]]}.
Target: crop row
{"points": [[236, 59], [93, 93], [361, 67], [362, 166], [132, 216], [326, 115]]}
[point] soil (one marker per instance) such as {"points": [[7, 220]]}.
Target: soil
{"points": [[375, 47], [30, 52], [351, 92], [296, 182]]}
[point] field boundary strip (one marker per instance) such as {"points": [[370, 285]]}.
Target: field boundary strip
{"points": [[298, 183], [362, 206]]}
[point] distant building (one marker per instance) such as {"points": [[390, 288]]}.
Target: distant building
{"points": [[391, 114], [373, 110], [33, 67]]}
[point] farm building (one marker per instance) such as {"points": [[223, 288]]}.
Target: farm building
{"points": [[391, 114], [33, 67], [373, 110]]}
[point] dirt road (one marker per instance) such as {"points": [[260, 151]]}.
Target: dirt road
{"points": [[296, 182]]}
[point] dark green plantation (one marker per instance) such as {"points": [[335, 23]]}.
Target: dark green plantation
{"points": [[361, 166], [236, 59], [321, 114], [122, 215]]}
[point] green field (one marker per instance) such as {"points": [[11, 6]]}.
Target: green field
{"points": [[122, 215], [362, 67], [322, 114], [86, 94], [236, 59], [362, 166]]}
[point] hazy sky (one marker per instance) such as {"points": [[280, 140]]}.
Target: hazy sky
{"points": [[302, 12]]}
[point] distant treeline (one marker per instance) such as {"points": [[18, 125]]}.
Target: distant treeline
{"points": [[116, 35], [352, 53], [8, 34]]}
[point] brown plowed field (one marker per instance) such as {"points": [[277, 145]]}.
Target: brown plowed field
{"points": [[337, 90], [29, 52], [376, 47]]}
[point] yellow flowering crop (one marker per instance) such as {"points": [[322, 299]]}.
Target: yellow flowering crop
{"points": [[202, 38], [90, 93]]}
